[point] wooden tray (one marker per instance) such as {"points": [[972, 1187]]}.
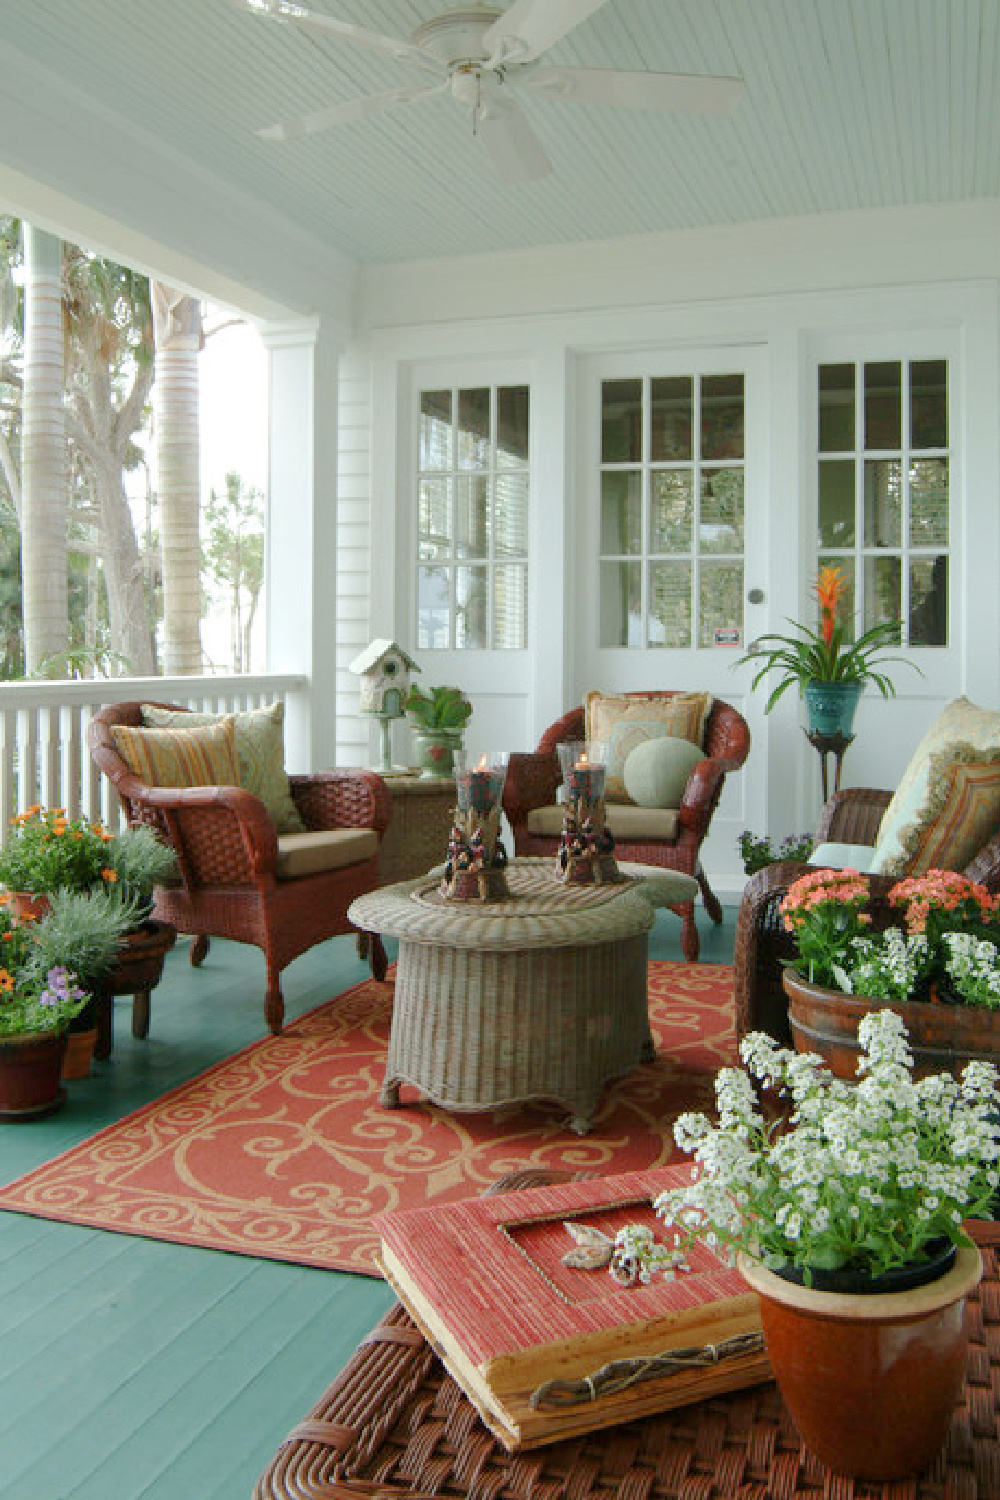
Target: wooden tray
{"points": [[394, 1426]]}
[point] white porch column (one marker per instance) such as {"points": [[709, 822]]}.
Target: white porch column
{"points": [[300, 560]]}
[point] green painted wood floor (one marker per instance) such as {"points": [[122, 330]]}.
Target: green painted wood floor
{"points": [[131, 1368]]}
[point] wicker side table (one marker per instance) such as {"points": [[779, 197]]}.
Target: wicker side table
{"points": [[542, 996], [417, 836]]}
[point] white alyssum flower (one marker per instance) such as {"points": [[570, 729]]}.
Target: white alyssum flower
{"points": [[861, 1174]]}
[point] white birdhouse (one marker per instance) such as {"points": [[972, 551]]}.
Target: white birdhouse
{"points": [[384, 669]]}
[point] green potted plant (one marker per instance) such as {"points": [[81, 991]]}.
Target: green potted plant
{"points": [[757, 851], [846, 1216], [829, 673], [50, 966], [935, 962], [438, 716]]}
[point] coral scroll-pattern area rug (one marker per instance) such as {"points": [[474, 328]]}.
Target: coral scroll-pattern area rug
{"points": [[283, 1150]]}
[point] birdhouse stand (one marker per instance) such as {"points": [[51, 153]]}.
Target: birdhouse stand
{"points": [[384, 669]]}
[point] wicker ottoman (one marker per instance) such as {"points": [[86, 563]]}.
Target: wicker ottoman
{"points": [[542, 996]]}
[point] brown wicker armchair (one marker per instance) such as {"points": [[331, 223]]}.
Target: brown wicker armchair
{"points": [[236, 872], [533, 778], [763, 946]]}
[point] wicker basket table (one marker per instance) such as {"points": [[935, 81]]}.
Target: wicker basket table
{"points": [[541, 996]]}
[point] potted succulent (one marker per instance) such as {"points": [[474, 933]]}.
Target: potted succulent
{"points": [[438, 716], [830, 674], [50, 965], [935, 961], [846, 1216]]}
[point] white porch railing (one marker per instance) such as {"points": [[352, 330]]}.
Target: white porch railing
{"points": [[43, 733]]}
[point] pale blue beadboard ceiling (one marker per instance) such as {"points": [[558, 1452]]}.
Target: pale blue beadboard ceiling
{"points": [[849, 104]]}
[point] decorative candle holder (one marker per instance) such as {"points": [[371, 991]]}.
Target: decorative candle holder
{"points": [[474, 868], [586, 847]]}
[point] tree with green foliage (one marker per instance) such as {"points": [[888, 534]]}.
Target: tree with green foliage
{"points": [[233, 555]]}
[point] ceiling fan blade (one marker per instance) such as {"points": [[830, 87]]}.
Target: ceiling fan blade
{"points": [[527, 27], [691, 93], [514, 148], [348, 112], [345, 31]]}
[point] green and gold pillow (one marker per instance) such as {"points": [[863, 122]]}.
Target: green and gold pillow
{"points": [[180, 757], [623, 722], [952, 810], [260, 752]]}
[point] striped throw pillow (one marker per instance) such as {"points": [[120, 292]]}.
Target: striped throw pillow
{"points": [[954, 811], [181, 757]]}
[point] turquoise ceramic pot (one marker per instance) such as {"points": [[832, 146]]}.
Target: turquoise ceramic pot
{"points": [[831, 706]]}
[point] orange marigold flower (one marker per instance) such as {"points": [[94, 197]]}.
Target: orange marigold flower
{"points": [[6, 981], [110, 876]]}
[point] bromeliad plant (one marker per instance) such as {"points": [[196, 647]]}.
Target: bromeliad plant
{"points": [[864, 1176], [945, 945], [822, 655]]}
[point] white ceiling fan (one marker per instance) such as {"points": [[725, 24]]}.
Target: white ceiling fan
{"points": [[482, 55]]}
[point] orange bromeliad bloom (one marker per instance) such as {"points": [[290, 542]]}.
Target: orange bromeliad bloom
{"points": [[830, 586]]}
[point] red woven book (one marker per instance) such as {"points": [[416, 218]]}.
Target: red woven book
{"points": [[484, 1281]]}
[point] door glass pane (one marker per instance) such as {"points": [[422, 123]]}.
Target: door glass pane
{"points": [[836, 502], [621, 511], [512, 425], [670, 418], [433, 609], [621, 421], [510, 607], [929, 502], [670, 604], [621, 604], [472, 613], [883, 581], [836, 408], [883, 502], [510, 521], [929, 403], [845, 610], [671, 510], [722, 416], [472, 516], [474, 429], [883, 405], [434, 518], [929, 601], [721, 523], [720, 599], [435, 429]]}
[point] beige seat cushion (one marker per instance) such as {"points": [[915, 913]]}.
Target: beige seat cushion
{"points": [[625, 822], [324, 849], [624, 722]]}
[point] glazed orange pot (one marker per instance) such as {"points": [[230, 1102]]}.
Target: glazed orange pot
{"points": [[870, 1381]]}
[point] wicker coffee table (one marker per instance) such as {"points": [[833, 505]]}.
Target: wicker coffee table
{"points": [[542, 996]]}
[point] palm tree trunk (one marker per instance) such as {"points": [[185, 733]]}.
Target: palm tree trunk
{"points": [[44, 467], [178, 334]]}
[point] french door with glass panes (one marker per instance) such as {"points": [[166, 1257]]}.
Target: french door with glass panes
{"points": [[674, 537]]}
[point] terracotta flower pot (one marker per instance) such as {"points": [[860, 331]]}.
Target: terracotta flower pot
{"points": [[79, 1056], [25, 905], [943, 1038], [29, 1075], [870, 1381]]}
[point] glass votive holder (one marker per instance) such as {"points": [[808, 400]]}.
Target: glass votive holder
{"points": [[584, 768], [479, 787]]}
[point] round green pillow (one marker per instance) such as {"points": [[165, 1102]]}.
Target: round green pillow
{"points": [[656, 772]]}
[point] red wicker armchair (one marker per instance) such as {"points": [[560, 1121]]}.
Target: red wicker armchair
{"points": [[228, 856], [763, 947], [532, 780]]}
